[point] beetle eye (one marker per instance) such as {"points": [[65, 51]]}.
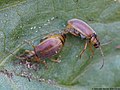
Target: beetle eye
{"points": [[96, 45]]}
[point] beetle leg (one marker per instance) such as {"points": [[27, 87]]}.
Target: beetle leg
{"points": [[37, 59], [56, 60], [29, 43], [91, 49], [85, 46], [44, 62], [44, 38], [29, 52]]}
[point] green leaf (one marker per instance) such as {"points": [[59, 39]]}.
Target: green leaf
{"points": [[31, 20]]}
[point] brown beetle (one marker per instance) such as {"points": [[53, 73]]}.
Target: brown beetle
{"points": [[47, 48], [80, 28]]}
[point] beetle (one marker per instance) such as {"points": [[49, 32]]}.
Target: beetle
{"points": [[49, 46], [80, 28]]}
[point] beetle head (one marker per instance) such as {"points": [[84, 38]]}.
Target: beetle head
{"points": [[94, 40]]}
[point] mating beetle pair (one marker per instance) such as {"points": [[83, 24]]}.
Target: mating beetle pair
{"points": [[52, 44]]}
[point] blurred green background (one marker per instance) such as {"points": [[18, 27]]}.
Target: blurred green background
{"points": [[33, 19]]}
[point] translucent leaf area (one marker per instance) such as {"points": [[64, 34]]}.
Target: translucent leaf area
{"points": [[31, 20]]}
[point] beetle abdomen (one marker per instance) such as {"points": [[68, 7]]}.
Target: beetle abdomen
{"points": [[48, 48], [81, 27]]}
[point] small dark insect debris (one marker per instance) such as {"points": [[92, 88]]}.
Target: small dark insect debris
{"points": [[6, 72]]}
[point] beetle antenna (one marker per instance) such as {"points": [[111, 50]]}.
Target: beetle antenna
{"points": [[110, 41], [102, 56], [18, 57], [29, 43]]}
